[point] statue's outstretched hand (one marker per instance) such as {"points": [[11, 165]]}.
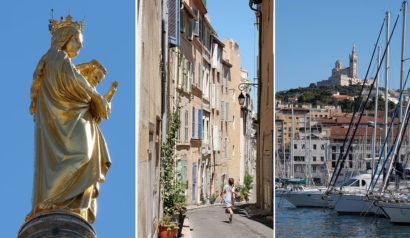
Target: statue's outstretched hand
{"points": [[111, 91]]}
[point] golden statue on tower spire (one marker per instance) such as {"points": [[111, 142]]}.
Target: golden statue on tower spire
{"points": [[71, 156]]}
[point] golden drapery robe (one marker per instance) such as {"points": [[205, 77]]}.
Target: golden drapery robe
{"points": [[71, 156]]}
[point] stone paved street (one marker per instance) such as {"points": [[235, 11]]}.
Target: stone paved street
{"points": [[213, 222]]}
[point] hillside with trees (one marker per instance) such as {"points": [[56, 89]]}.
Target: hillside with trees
{"points": [[324, 96]]}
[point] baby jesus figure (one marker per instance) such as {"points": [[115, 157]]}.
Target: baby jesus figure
{"points": [[94, 72]]}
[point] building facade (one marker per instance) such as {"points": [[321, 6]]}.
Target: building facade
{"points": [[148, 111]]}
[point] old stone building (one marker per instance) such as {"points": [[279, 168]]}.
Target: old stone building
{"points": [[344, 76]]}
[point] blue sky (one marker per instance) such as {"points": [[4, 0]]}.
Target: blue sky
{"points": [[312, 35], [237, 23], [108, 37]]}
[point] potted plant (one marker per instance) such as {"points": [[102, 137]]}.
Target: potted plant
{"points": [[203, 201], [213, 198], [247, 182], [167, 229], [238, 189]]}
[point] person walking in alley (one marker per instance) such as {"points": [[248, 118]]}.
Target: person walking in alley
{"points": [[229, 191]]}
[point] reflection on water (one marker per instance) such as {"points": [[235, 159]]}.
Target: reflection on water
{"points": [[319, 222]]}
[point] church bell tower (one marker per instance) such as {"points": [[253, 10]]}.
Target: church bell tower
{"points": [[353, 63]]}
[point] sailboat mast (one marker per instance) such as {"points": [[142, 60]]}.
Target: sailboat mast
{"points": [[386, 90], [283, 150], [403, 42], [306, 151], [291, 149], [310, 143], [376, 99]]}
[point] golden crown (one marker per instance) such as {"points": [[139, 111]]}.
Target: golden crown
{"points": [[54, 25]]}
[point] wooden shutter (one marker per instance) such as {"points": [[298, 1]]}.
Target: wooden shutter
{"points": [[213, 96], [191, 25], [217, 99], [215, 56], [222, 111], [199, 75], [199, 124], [189, 77], [227, 111], [182, 21], [193, 122], [173, 23], [193, 73], [180, 71], [196, 23]]}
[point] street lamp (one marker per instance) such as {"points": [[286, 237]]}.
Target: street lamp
{"points": [[241, 99], [242, 86]]}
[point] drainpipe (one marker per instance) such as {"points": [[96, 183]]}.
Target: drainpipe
{"points": [[164, 82], [258, 152], [164, 70]]}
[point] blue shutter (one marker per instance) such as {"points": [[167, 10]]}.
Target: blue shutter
{"points": [[193, 180], [193, 122], [173, 23], [199, 124]]}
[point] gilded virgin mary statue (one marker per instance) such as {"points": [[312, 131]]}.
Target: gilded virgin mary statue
{"points": [[71, 156]]}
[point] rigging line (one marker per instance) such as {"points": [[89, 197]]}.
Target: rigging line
{"points": [[385, 141], [338, 165], [370, 91], [398, 137], [401, 141], [354, 112]]}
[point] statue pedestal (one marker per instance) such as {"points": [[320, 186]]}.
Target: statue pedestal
{"points": [[57, 224]]}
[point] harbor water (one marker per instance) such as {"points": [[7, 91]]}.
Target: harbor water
{"points": [[320, 222]]}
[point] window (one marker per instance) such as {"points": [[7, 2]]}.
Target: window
{"points": [[186, 126], [350, 164], [314, 168], [314, 158], [322, 158], [182, 21], [199, 75], [227, 111], [322, 147], [299, 158], [226, 148], [303, 146], [350, 157], [191, 25], [193, 72], [333, 156], [295, 146], [334, 148], [193, 122], [314, 146], [333, 164], [181, 168], [222, 111]]}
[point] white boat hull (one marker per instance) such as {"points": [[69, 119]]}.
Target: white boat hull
{"points": [[306, 198], [280, 191], [397, 212], [356, 204]]}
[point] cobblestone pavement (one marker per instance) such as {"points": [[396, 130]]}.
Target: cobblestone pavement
{"points": [[212, 221]]}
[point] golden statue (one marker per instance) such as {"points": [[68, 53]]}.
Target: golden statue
{"points": [[71, 156]]}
